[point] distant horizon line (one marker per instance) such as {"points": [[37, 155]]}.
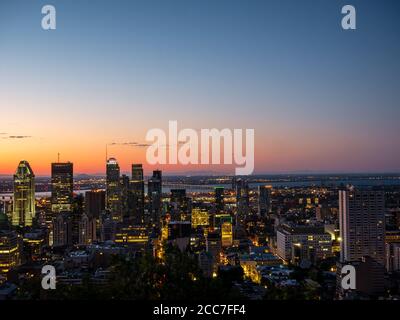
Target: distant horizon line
{"points": [[211, 174]]}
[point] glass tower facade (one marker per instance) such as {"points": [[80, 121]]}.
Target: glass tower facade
{"points": [[24, 195], [62, 186]]}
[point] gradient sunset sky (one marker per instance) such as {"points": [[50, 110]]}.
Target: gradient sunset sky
{"points": [[320, 99]]}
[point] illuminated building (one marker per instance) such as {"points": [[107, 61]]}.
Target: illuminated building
{"points": [[361, 224], [113, 192], [334, 231], [297, 243], [198, 240], [219, 219], [132, 236], [219, 199], [164, 232], [62, 186], [35, 240], [264, 200], [251, 271], [226, 234], [136, 195], [259, 256], [155, 195], [24, 195], [6, 205], [158, 249], [223, 223], [10, 250], [199, 217]]}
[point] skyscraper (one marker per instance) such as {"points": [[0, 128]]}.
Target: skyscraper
{"points": [[113, 190], [264, 200], [62, 230], [362, 227], [219, 199], [94, 203], [62, 186], [180, 204], [87, 230], [136, 194], [242, 198], [124, 194], [154, 193], [24, 195]]}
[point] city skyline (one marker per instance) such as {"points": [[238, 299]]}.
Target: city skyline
{"points": [[197, 158], [320, 99], [148, 171]]}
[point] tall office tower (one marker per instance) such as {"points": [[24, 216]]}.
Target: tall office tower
{"points": [[242, 197], [180, 204], [62, 186], [87, 230], [24, 195], [124, 185], [95, 203], [136, 194], [264, 200], [78, 209], [362, 224], [226, 232], [200, 217], [219, 199], [62, 230], [155, 195], [113, 192], [10, 250]]}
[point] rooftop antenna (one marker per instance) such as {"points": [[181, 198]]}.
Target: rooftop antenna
{"points": [[58, 157], [106, 153]]}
